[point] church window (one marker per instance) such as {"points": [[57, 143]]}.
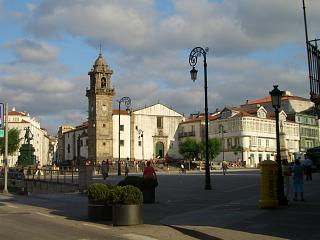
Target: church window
{"points": [[103, 83], [121, 127], [103, 143], [159, 122], [121, 142], [139, 143], [68, 148], [104, 125]]}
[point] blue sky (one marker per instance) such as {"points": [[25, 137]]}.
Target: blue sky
{"points": [[48, 47]]}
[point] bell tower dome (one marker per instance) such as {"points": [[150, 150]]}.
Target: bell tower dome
{"points": [[100, 126]]}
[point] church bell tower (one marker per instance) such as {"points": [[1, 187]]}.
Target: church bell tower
{"points": [[100, 126]]}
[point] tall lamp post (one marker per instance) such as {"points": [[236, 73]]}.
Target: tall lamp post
{"points": [[222, 131], [127, 102], [194, 54], [140, 134], [276, 103]]}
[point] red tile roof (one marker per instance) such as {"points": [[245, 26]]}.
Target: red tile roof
{"points": [[268, 99], [16, 113]]}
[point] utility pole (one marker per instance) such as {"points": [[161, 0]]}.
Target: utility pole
{"points": [[5, 159]]}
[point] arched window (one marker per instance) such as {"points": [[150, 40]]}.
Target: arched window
{"points": [[103, 83]]}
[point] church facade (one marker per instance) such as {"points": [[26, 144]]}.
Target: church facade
{"points": [[145, 134]]}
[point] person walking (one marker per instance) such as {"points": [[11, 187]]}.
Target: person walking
{"points": [[38, 169], [297, 180], [105, 169], [149, 171], [286, 173], [224, 167]]}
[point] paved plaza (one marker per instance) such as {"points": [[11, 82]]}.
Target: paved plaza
{"points": [[184, 210]]}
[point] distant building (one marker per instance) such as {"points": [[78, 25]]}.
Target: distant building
{"points": [[40, 141]]}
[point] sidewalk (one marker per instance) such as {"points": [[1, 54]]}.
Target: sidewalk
{"points": [[193, 213]]}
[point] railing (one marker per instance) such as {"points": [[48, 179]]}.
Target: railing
{"points": [[54, 176]]}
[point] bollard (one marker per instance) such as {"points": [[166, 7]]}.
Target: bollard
{"points": [[268, 185]]}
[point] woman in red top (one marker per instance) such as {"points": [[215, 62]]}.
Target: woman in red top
{"points": [[149, 171]]}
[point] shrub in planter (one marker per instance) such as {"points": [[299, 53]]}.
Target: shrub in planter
{"points": [[100, 196], [146, 185], [127, 208], [97, 192], [130, 195]]}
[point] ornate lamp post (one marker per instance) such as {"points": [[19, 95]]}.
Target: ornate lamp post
{"points": [[127, 102], [276, 103], [140, 135], [195, 53]]}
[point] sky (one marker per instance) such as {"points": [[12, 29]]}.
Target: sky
{"points": [[47, 48]]}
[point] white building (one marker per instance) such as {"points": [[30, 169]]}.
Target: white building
{"points": [[146, 133], [40, 141]]}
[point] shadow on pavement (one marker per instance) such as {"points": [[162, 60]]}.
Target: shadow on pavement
{"points": [[194, 233]]}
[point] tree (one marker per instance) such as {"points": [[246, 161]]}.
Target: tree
{"points": [[13, 141], [189, 149], [214, 148]]}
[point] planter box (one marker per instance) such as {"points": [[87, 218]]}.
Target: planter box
{"points": [[149, 195], [125, 215], [99, 212]]}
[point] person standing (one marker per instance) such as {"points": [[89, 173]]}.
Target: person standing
{"points": [[105, 169], [308, 168], [126, 167], [297, 180], [286, 173]]}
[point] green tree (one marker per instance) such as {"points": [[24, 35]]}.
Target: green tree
{"points": [[13, 141], [189, 149], [214, 148]]}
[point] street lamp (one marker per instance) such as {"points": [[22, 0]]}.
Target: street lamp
{"points": [[194, 54], [140, 135], [222, 131], [276, 103], [127, 102]]}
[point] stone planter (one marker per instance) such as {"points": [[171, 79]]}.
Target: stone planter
{"points": [[99, 211], [126, 215], [149, 195]]}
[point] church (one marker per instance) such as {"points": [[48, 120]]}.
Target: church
{"points": [[137, 134]]}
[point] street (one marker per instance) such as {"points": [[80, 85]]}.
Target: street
{"points": [[184, 210]]}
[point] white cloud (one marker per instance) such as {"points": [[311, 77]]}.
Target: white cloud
{"points": [[30, 51]]}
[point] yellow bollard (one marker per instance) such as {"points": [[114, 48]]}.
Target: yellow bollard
{"points": [[268, 185]]}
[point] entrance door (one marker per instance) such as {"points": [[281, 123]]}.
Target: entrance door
{"points": [[159, 150]]}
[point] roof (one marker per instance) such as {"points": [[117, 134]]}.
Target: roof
{"points": [[268, 99], [15, 113]]}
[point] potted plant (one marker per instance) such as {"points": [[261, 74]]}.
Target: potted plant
{"points": [[99, 201], [127, 206], [146, 185]]}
